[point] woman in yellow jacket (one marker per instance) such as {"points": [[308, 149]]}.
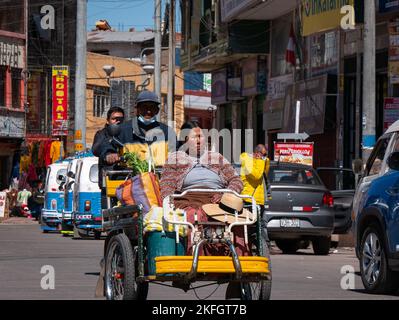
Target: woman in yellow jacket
{"points": [[252, 169]]}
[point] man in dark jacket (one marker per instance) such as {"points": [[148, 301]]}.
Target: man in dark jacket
{"points": [[115, 115], [142, 129]]}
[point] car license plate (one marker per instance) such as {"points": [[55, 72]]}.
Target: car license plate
{"points": [[289, 223]]}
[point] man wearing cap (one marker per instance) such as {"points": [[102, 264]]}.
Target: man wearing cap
{"points": [[142, 129]]}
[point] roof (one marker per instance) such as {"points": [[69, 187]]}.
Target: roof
{"points": [[393, 128], [119, 36]]}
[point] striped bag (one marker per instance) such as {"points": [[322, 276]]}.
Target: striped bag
{"points": [[142, 189]]}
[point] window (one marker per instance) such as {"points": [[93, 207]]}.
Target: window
{"points": [[61, 172], [12, 15], [2, 86], [16, 87], [324, 50], [101, 101], [93, 174], [280, 35], [292, 176], [377, 157]]}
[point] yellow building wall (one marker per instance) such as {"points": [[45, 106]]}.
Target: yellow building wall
{"points": [[128, 70]]}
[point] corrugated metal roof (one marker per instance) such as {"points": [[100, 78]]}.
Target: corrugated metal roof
{"points": [[119, 36]]}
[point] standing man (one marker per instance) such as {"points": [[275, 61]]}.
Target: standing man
{"points": [[254, 169], [143, 130]]}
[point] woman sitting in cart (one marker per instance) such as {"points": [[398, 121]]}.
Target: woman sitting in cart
{"points": [[196, 167]]}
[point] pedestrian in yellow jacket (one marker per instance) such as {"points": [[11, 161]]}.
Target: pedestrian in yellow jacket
{"points": [[253, 166]]}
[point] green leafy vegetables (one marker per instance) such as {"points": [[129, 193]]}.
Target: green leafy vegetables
{"points": [[134, 162]]}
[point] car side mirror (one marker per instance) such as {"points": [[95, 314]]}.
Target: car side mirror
{"points": [[393, 161], [71, 175], [357, 166]]}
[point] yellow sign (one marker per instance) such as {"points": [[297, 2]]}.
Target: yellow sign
{"points": [[78, 135], [322, 15], [79, 147]]}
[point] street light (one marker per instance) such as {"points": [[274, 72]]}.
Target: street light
{"points": [[108, 69], [148, 69]]}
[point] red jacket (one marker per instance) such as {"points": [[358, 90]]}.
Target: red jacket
{"points": [[179, 164]]}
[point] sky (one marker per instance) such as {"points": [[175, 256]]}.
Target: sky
{"points": [[123, 14]]}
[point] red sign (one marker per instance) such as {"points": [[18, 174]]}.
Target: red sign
{"points": [[60, 100], [301, 153], [391, 111]]}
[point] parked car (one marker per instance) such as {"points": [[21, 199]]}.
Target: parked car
{"points": [[342, 184], [300, 209], [376, 217]]}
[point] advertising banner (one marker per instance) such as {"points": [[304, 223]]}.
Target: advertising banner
{"points": [[3, 197], [60, 101], [322, 15], [391, 111], [388, 5], [301, 153]]}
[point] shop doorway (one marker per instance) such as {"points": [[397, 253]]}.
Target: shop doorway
{"points": [[4, 172]]}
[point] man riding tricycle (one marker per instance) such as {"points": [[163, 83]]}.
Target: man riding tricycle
{"points": [[189, 227]]}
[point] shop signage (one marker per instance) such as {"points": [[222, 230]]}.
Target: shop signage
{"points": [[388, 5], [12, 126], [393, 55], [301, 153], [219, 87], [33, 115], [60, 101], [11, 54], [391, 111], [254, 76], [312, 95], [322, 15], [277, 87], [3, 197], [231, 8]]}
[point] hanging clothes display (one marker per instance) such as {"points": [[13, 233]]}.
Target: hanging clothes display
{"points": [[24, 163], [56, 150], [47, 158], [32, 175]]}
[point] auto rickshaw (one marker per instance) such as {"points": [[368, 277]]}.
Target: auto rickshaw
{"points": [[133, 259], [87, 218], [51, 215]]}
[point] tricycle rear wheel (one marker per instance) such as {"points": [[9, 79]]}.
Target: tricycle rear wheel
{"points": [[120, 271]]}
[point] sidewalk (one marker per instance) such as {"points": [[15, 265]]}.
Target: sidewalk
{"points": [[18, 221]]}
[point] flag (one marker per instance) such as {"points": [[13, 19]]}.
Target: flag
{"points": [[290, 57]]}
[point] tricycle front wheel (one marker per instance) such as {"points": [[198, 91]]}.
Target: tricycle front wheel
{"points": [[120, 271]]}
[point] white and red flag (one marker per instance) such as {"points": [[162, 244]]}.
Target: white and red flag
{"points": [[290, 56]]}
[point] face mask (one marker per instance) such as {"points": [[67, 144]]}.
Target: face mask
{"points": [[147, 122]]}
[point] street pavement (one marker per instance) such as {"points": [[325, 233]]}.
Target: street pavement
{"points": [[24, 250]]}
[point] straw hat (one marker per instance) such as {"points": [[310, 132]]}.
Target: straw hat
{"points": [[225, 210]]}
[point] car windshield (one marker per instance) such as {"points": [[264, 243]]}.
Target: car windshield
{"points": [[337, 179], [291, 175]]}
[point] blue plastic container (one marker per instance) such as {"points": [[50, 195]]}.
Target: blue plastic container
{"points": [[163, 244]]}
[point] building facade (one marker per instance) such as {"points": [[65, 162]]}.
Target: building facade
{"points": [[244, 45], [13, 67]]}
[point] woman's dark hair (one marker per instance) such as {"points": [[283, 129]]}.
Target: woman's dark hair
{"points": [[113, 110], [185, 130]]}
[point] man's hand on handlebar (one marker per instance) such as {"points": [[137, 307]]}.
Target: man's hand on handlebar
{"points": [[112, 158]]}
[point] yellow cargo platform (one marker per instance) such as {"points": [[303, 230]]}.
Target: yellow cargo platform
{"points": [[210, 264]]}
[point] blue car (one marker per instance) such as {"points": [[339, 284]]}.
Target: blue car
{"points": [[376, 216]]}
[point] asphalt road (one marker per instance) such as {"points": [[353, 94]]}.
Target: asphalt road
{"points": [[24, 250]]}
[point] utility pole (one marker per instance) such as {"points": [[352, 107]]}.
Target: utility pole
{"points": [[157, 45], [171, 65], [80, 77], [369, 81]]}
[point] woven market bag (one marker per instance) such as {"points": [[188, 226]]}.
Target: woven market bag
{"points": [[141, 189]]}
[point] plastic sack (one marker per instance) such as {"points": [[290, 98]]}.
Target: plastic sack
{"points": [[153, 221]]}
